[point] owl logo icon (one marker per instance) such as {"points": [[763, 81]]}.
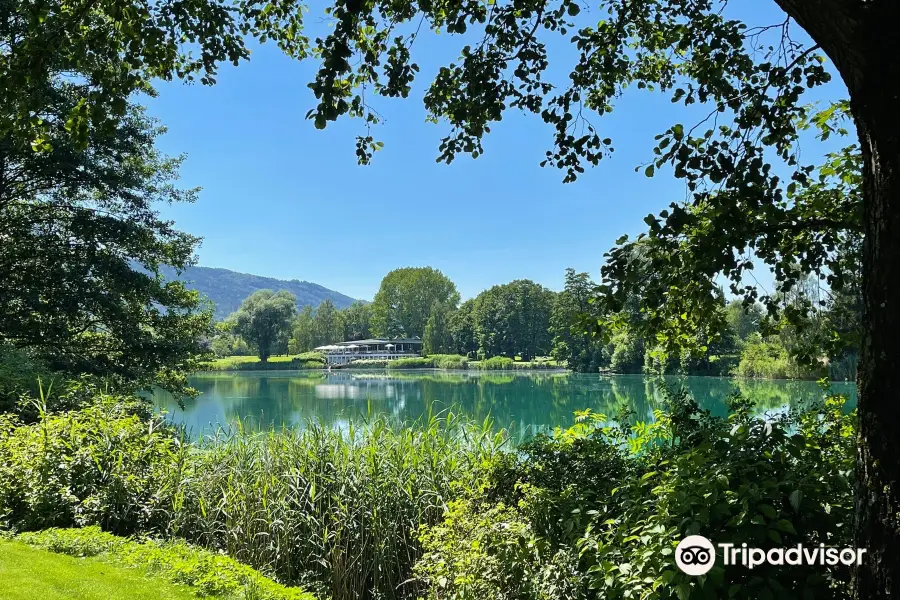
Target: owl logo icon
{"points": [[695, 555]]}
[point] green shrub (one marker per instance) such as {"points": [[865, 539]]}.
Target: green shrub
{"points": [[82, 542], [433, 361], [418, 362], [208, 573], [769, 359], [535, 364], [497, 363], [493, 553], [449, 361], [311, 357], [620, 498], [93, 466]]}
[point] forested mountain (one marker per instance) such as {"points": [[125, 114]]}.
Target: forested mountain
{"points": [[227, 289]]}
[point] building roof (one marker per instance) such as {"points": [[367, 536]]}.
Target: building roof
{"points": [[375, 342]]}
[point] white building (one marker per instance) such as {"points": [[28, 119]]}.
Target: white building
{"points": [[374, 349]]}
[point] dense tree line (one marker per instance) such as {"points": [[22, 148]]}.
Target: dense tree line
{"points": [[523, 319], [507, 320]]}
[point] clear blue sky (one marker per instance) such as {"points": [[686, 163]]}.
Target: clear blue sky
{"points": [[282, 199]]}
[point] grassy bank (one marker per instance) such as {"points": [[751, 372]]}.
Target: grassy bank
{"points": [[105, 566], [27, 573], [307, 360]]}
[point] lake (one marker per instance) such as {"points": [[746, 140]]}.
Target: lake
{"points": [[524, 403]]}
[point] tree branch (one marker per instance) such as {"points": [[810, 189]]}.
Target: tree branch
{"points": [[836, 26]]}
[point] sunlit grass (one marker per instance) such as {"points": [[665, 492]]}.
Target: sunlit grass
{"points": [[28, 574]]}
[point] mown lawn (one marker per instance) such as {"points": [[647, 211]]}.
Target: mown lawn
{"points": [[30, 574]]}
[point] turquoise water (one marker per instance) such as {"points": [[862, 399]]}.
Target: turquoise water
{"points": [[523, 403]]}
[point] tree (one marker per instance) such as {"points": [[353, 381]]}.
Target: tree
{"points": [[532, 318], [356, 319], [114, 50], [403, 302], [744, 321], [627, 354], [513, 319], [580, 351], [263, 318], [225, 343], [754, 81], [81, 246], [462, 328], [303, 332], [437, 338], [328, 324]]}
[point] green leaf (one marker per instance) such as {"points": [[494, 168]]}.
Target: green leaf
{"points": [[768, 511], [786, 526]]}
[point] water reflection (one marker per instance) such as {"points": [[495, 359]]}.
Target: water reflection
{"points": [[523, 403]]}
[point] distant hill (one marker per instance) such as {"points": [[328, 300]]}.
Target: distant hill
{"points": [[227, 289]]}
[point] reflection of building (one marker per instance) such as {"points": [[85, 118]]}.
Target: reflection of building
{"points": [[344, 352]]}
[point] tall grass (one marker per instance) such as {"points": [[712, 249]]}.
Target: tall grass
{"points": [[334, 511]]}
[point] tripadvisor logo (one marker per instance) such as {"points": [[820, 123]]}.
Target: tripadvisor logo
{"points": [[695, 555]]}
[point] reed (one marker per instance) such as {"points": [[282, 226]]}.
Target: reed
{"points": [[337, 512]]}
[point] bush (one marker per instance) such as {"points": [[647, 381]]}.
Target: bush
{"points": [[768, 359], [497, 363], [432, 361], [495, 554], [609, 504], [412, 363], [311, 357], [210, 574], [93, 466], [449, 361]]}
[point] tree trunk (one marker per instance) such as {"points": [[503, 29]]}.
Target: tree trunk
{"points": [[861, 38], [875, 100], [877, 514]]}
